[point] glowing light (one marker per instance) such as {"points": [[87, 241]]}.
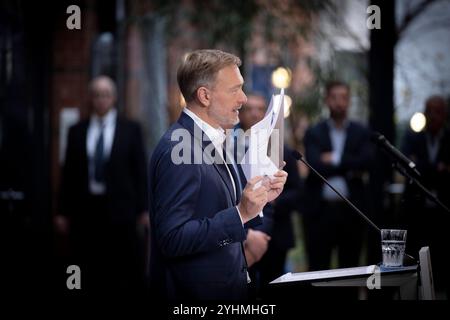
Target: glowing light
{"points": [[418, 122], [281, 78]]}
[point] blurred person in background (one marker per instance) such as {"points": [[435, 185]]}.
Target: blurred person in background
{"points": [[427, 224], [103, 195], [341, 150]]}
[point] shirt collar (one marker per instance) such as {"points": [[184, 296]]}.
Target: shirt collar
{"points": [[332, 124], [216, 135], [107, 120]]}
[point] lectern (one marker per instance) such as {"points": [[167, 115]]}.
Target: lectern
{"points": [[413, 282]]}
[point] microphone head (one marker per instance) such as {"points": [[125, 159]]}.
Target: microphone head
{"points": [[377, 137], [297, 155]]}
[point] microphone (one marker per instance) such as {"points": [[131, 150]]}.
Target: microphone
{"points": [[298, 156], [399, 157]]}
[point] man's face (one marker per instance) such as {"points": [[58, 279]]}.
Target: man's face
{"points": [[252, 112], [102, 97], [227, 97], [338, 101]]}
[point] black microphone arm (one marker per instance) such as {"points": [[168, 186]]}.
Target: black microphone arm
{"points": [[394, 153], [407, 168], [297, 155]]}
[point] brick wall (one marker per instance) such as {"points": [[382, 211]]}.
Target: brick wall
{"points": [[70, 75]]}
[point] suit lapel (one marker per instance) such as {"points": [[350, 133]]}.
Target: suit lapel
{"points": [[116, 140], [83, 141], [348, 138], [226, 179], [327, 140], [189, 124]]}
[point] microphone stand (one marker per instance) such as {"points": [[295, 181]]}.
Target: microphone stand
{"points": [[298, 156], [413, 180]]}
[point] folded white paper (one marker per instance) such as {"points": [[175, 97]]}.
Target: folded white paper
{"points": [[264, 156]]}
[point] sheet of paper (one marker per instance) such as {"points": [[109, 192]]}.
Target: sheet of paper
{"points": [[264, 155], [326, 274]]}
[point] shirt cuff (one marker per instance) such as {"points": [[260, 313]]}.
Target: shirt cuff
{"points": [[261, 214], [242, 221]]}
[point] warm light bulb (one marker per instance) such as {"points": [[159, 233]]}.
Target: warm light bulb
{"points": [[281, 78], [418, 122]]}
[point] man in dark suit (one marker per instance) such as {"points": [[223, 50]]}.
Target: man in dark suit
{"points": [[341, 151], [104, 193], [197, 206], [425, 221]]}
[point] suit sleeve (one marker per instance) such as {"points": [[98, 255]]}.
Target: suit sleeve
{"points": [[176, 191], [288, 200], [362, 159], [313, 152]]}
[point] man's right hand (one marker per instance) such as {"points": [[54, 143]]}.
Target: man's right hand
{"points": [[255, 246], [326, 157], [253, 200]]}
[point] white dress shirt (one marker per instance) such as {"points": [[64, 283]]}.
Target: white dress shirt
{"points": [[217, 137], [338, 137], [94, 129]]}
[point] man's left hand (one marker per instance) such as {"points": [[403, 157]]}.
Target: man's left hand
{"points": [[276, 185]]}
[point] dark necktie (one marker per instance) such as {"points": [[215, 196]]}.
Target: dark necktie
{"points": [[229, 161], [99, 157]]}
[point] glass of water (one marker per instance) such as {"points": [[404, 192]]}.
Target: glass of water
{"points": [[393, 243]]}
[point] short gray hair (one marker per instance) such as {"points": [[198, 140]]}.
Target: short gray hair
{"points": [[200, 68]]}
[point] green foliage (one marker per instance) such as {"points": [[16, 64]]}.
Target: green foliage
{"points": [[230, 22], [224, 21], [309, 103]]}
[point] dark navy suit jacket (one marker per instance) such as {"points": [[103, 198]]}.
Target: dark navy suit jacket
{"points": [[125, 175], [415, 147], [197, 234]]}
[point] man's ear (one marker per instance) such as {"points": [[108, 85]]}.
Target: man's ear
{"points": [[204, 96]]}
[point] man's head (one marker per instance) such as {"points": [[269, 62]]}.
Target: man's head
{"points": [[337, 98], [435, 113], [253, 111], [102, 92], [211, 84]]}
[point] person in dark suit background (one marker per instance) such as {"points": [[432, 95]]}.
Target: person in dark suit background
{"points": [[103, 194], [339, 149], [426, 223], [267, 245], [198, 209]]}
